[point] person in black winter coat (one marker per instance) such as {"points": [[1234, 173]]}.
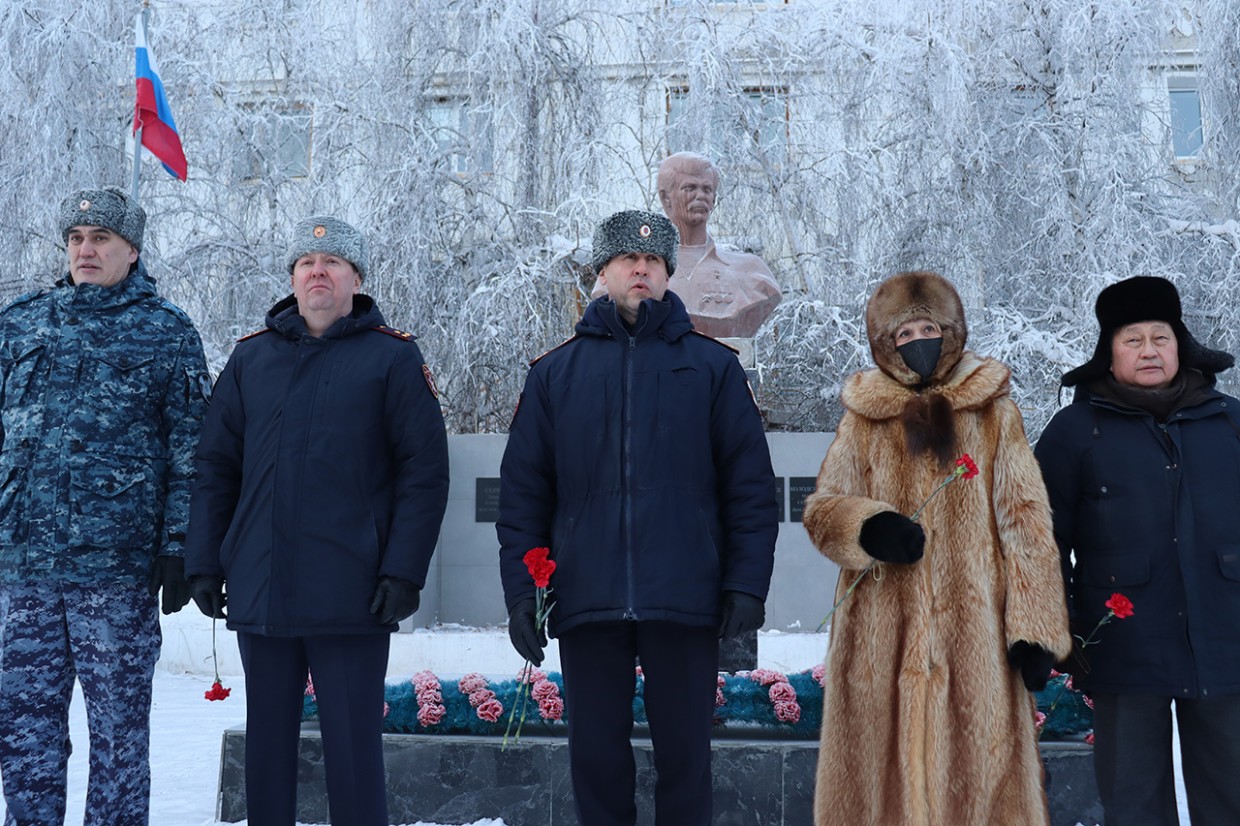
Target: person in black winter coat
{"points": [[1143, 472], [322, 482], [638, 457]]}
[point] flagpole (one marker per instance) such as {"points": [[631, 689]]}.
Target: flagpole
{"points": [[137, 136], [137, 164]]}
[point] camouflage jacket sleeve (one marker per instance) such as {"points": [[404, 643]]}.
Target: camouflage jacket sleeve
{"points": [[185, 405]]}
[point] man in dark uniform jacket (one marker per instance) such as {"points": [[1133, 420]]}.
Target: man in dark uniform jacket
{"points": [[322, 482], [637, 455], [1143, 472]]}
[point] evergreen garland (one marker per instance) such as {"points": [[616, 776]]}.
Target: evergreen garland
{"points": [[747, 706]]}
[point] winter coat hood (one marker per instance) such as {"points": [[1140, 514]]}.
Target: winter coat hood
{"points": [[134, 287], [667, 319], [928, 416], [907, 296], [284, 318]]}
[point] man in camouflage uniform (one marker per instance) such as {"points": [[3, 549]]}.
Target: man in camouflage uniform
{"points": [[104, 387]]}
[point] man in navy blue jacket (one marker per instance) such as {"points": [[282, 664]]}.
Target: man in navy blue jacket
{"points": [[637, 455], [322, 482], [1143, 472]]}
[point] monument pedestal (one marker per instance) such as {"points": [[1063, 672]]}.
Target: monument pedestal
{"points": [[451, 779]]}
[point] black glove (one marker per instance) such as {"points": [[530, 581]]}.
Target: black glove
{"points": [[208, 594], [741, 613], [395, 599], [168, 575], [1034, 663], [892, 537], [527, 638]]}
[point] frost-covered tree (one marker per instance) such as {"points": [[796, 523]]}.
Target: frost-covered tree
{"points": [[1024, 149]]}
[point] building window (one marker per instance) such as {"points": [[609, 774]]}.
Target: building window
{"points": [[1186, 131], [276, 142], [756, 119], [763, 118], [461, 133]]}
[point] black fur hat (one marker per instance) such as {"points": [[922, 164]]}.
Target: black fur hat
{"points": [[1144, 298]]}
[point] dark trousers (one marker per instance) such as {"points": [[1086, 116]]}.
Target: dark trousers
{"points": [[348, 672], [680, 665], [1134, 766]]}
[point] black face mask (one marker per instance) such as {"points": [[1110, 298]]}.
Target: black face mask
{"points": [[921, 355]]}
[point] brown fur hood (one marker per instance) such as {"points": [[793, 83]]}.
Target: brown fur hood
{"points": [[975, 382], [928, 417], [910, 295]]}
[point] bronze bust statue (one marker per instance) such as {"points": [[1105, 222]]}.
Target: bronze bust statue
{"points": [[728, 293]]}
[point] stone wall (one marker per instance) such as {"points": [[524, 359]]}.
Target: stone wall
{"points": [[442, 779], [464, 588]]}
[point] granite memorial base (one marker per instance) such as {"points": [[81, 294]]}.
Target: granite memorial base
{"points": [[461, 779]]}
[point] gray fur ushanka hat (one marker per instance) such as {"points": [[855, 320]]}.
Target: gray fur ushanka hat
{"points": [[109, 208], [323, 233], [1144, 298], [635, 230]]}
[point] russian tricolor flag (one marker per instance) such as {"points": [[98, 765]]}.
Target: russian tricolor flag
{"points": [[152, 113]]}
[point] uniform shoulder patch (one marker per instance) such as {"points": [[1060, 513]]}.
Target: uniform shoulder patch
{"points": [[394, 333], [430, 381], [563, 343], [253, 334], [717, 341]]}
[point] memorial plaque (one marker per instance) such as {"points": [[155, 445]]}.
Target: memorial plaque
{"points": [[779, 497], [798, 488], [486, 499]]}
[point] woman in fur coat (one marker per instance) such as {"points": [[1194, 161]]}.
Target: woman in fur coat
{"points": [[928, 717]]}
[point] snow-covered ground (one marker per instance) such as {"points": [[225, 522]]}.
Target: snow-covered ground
{"points": [[186, 730]]}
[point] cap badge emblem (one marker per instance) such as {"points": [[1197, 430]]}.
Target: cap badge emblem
{"points": [[85, 205], [644, 232], [320, 231]]}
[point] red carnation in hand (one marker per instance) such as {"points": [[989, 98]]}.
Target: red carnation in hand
{"points": [[217, 690], [1120, 605], [540, 566], [970, 467]]}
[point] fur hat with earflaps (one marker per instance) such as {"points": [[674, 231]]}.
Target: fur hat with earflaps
{"points": [[332, 236], [109, 208], [907, 296], [635, 230], [1144, 298]]}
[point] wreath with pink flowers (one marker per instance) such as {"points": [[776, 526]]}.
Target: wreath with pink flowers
{"points": [[764, 702]]}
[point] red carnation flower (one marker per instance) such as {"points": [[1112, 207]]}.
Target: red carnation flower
{"points": [[1120, 605], [217, 691]]}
